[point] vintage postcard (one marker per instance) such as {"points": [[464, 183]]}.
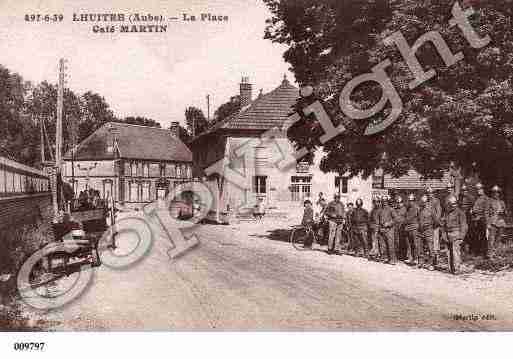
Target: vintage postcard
{"points": [[259, 165]]}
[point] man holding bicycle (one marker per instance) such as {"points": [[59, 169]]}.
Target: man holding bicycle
{"points": [[308, 221], [335, 213]]}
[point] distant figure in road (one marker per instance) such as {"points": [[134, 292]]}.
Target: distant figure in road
{"points": [[497, 220], [411, 228], [359, 219], [480, 218], [455, 228], [335, 213], [259, 211]]}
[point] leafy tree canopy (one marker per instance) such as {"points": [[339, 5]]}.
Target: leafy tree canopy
{"points": [[463, 114]]}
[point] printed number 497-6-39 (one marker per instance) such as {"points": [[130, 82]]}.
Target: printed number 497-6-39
{"points": [[29, 346], [44, 18]]}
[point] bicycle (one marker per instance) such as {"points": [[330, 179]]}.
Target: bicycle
{"points": [[299, 236]]}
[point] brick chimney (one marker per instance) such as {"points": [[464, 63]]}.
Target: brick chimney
{"points": [[246, 92], [175, 128]]}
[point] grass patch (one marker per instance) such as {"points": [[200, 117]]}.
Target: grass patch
{"points": [[16, 245]]}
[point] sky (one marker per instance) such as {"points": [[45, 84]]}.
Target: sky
{"points": [[156, 75]]}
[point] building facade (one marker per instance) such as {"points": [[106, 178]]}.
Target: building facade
{"points": [[250, 166], [126, 161]]}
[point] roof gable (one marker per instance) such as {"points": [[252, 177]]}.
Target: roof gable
{"points": [[134, 141], [267, 111]]}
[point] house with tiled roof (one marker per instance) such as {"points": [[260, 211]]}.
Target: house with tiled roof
{"points": [[235, 144], [126, 161]]}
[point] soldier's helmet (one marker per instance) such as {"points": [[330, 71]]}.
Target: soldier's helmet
{"points": [[496, 188], [479, 186], [464, 188], [359, 202], [424, 199], [411, 197], [399, 199], [452, 200]]}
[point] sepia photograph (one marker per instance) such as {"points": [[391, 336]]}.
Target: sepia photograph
{"points": [[255, 166]]}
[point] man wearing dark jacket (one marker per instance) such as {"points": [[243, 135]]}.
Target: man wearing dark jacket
{"points": [[359, 225], [480, 214], [386, 221], [411, 227], [455, 227], [428, 221], [335, 212]]}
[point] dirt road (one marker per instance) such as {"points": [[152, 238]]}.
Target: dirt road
{"points": [[241, 279]]}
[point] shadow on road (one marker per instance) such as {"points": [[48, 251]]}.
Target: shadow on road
{"points": [[281, 235]]}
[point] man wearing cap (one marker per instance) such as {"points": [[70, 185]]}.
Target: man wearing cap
{"points": [[455, 227], [359, 224], [450, 193], [374, 226], [436, 207], [496, 220], [335, 212], [480, 218], [386, 221], [466, 202], [400, 239], [411, 226], [428, 220]]}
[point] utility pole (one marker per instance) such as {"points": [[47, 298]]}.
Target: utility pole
{"points": [[208, 108], [60, 107], [58, 139], [42, 135]]}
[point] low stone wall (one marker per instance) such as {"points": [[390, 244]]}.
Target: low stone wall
{"points": [[23, 209]]}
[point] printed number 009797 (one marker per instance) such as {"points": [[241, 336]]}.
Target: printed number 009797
{"points": [[29, 346]]}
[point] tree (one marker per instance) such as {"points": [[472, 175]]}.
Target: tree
{"points": [[142, 121], [183, 134], [226, 110], [42, 106], [194, 116], [464, 114], [95, 113], [16, 126]]}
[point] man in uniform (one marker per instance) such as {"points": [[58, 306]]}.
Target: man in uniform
{"points": [[436, 207], [374, 226], [359, 224], [386, 221], [411, 226], [496, 220], [335, 212], [400, 240], [450, 193], [479, 214], [466, 202], [455, 227], [428, 221]]}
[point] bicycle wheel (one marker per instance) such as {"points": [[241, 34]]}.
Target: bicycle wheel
{"points": [[299, 237]]}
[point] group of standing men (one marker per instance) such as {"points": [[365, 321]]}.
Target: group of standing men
{"points": [[416, 231]]}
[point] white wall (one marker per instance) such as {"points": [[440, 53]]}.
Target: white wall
{"points": [[279, 181]]}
